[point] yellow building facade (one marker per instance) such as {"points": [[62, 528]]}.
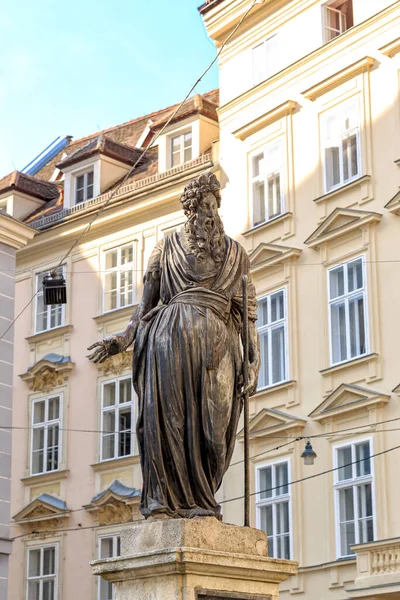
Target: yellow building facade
{"points": [[309, 128]]}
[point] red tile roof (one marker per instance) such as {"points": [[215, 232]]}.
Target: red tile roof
{"points": [[102, 145], [32, 186]]}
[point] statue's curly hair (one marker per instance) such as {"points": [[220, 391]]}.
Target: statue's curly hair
{"points": [[196, 189]]}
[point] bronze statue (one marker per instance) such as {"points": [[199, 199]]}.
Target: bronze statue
{"points": [[187, 358]]}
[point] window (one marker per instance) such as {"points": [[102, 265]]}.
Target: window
{"points": [[272, 329], [347, 311], [337, 17], [341, 145], [354, 503], [47, 317], [120, 277], [42, 573], [84, 187], [266, 59], [117, 419], [267, 183], [181, 148], [273, 508], [109, 546], [173, 229], [46, 442]]}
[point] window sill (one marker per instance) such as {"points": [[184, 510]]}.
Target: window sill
{"points": [[343, 188], [114, 463], [49, 334], [115, 314], [274, 388], [45, 477], [334, 563], [350, 363], [267, 224]]}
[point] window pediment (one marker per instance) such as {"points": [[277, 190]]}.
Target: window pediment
{"points": [[116, 504], [43, 508], [340, 222], [394, 204], [266, 119], [347, 398], [337, 79], [268, 255], [49, 372], [270, 421]]}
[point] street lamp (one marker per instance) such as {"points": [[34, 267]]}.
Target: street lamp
{"points": [[308, 454]]}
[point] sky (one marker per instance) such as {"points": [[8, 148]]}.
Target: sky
{"points": [[76, 67]]}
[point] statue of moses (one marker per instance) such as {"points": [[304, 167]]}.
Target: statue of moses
{"points": [[187, 359]]}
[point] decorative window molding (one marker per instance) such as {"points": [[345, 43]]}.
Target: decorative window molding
{"points": [[268, 118], [120, 276], [273, 506], [272, 326], [345, 399], [44, 508], [46, 434], [348, 311], [42, 572], [267, 183], [337, 79], [47, 317], [393, 205], [270, 421], [391, 49], [49, 372], [354, 496], [116, 504], [266, 256], [340, 222], [117, 419], [117, 364]]}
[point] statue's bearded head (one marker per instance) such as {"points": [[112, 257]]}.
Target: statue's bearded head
{"points": [[200, 201]]}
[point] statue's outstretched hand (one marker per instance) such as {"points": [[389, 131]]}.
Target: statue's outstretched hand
{"points": [[104, 349]]}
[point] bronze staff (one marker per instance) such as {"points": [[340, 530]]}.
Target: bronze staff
{"points": [[245, 339]]}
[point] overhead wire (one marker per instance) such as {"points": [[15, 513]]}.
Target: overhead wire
{"points": [[141, 156], [278, 487]]}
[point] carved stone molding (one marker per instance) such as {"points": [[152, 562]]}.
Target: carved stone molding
{"points": [[116, 504], [49, 372], [115, 365]]}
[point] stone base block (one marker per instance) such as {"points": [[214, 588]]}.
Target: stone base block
{"points": [[194, 559]]}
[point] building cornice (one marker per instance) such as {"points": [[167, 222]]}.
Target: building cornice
{"points": [[264, 120], [391, 49], [13, 233]]}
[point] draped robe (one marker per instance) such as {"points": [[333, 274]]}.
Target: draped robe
{"points": [[187, 370]]}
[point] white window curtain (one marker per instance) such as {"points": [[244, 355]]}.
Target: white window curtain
{"points": [[120, 277], [117, 419], [46, 434], [267, 183], [272, 329]]}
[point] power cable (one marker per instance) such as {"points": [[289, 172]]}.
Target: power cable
{"points": [[141, 156], [289, 483]]}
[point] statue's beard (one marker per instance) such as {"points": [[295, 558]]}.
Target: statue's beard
{"points": [[205, 236]]}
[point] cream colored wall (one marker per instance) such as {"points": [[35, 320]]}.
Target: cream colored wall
{"points": [[260, 111]]}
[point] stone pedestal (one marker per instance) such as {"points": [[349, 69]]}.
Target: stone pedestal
{"points": [[194, 559]]}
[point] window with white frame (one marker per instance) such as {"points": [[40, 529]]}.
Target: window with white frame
{"points": [[348, 310], [109, 546], [272, 330], [50, 316], [120, 277], [337, 17], [354, 496], [181, 148], [42, 573], [46, 434], [117, 418], [341, 144], [266, 57], [267, 183], [173, 229], [84, 187], [273, 507]]}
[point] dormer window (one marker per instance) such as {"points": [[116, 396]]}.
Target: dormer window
{"points": [[181, 148], [84, 187]]}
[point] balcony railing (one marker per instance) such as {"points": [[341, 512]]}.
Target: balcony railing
{"points": [[378, 566], [140, 184]]}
